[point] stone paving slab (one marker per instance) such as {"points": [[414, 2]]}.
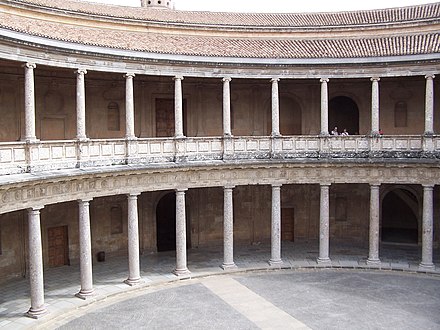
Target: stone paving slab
{"points": [[62, 283]]}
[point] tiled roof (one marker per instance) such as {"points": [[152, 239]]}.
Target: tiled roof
{"points": [[276, 47], [380, 16]]}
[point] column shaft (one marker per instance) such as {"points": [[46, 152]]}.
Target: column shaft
{"points": [[35, 265], [228, 228], [178, 108], [226, 107], [275, 108], [85, 250], [324, 106], [129, 106], [181, 265], [275, 258], [427, 227], [134, 276], [29, 102], [429, 105], [375, 106], [324, 224], [373, 257], [80, 105]]}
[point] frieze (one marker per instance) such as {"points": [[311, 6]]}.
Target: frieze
{"points": [[95, 184]]}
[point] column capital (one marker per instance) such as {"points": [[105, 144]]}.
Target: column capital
{"points": [[84, 200], [375, 185], [29, 65], [35, 209], [373, 79], [429, 76], [226, 79], [325, 184], [275, 80], [181, 190], [133, 195], [276, 185], [129, 75], [228, 187], [81, 71], [178, 78], [428, 186], [324, 79]]}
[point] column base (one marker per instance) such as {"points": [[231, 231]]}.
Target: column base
{"points": [[324, 261], [84, 295], [36, 313], [133, 282], [373, 261], [182, 273], [228, 266], [275, 263], [424, 266]]}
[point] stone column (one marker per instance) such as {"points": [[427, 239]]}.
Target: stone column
{"points": [[134, 276], [375, 106], [427, 227], [429, 105], [226, 107], [324, 224], [275, 258], [35, 265], [85, 250], [373, 257], [178, 107], [129, 107], [275, 108], [228, 228], [29, 102], [324, 106], [80, 105], [181, 266]]}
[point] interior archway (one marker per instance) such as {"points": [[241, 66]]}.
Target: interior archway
{"points": [[343, 112], [166, 223], [399, 217]]}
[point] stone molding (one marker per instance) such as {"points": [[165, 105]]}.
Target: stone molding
{"points": [[87, 184]]}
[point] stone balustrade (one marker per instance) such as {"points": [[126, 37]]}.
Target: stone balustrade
{"points": [[21, 157]]}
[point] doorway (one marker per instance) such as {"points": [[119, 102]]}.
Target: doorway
{"points": [[343, 112], [166, 223], [399, 217], [58, 246]]}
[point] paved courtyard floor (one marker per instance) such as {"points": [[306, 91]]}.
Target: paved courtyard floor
{"points": [[302, 294]]}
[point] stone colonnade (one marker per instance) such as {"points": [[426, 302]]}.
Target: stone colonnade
{"points": [[86, 274], [30, 134]]}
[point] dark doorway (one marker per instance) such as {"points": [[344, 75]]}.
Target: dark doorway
{"points": [[343, 113], [399, 217], [58, 246], [166, 223]]}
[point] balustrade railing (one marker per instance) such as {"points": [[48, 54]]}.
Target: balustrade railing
{"points": [[21, 157]]}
